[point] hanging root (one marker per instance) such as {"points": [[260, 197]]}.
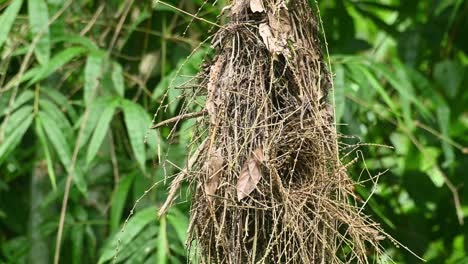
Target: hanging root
{"points": [[268, 184]]}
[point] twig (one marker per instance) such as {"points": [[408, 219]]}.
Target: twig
{"points": [[188, 14], [93, 19], [175, 185], [178, 118]]}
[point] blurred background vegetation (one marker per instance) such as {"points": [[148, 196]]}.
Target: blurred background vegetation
{"points": [[80, 81]]}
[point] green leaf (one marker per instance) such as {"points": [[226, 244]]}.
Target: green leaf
{"points": [[62, 148], [134, 226], [57, 62], [443, 118], [429, 165], [380, 89], [118, 201], [39, 24], [71, 38], [449, 75], [95, 110], [50, 166], [180, 223], [162, 250], [339, 92], [17, 127], [401, 84], [135, 121], [436, 176], [138, 250], [61, 100], [100, 132], [77, 239], [7, 19], [118, 78], [92, 73], [58, 116], [23, 98]]}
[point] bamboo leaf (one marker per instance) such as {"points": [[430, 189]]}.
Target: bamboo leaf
{"points": [[339, 92], [380, 89], [39, 23], [96, 108], [118, 78], [134, 226], [443, 118], [400, 84], [135, 121], [54, 64], [180, 224], [19, 124], [92, 73], [61, 146], [23, 98], [50, 166], [100, 132], [118, 201], [138, 250], [7, 19]]}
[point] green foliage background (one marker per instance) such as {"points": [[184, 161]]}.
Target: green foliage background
{"points": [[80, 80]]}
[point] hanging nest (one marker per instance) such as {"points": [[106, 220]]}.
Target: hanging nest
{"points": [[268, 185]]}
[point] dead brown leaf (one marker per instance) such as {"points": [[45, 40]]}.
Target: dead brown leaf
{"points": [[267, 37], [256, 6], [214, 169], [250, 175], [237, 6]]}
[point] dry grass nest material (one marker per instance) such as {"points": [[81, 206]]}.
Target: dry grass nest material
{"points": [[268, 184]]}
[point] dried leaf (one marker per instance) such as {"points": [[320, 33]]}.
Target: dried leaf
{"points": [[147, 64], [256, 6], [214, 167], [267, 37], [237, 6], [250, 175], [258, 155]]}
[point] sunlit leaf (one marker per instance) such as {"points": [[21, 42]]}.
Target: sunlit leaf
{"points": [[7, 19], [118, 78], [39, 24]]}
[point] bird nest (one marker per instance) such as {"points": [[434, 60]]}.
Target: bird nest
{"points": [[267, 181]]}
